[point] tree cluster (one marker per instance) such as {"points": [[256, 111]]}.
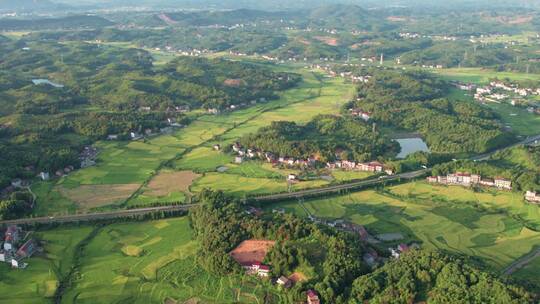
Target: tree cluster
{"points": [[415, 101], [326, 138]]}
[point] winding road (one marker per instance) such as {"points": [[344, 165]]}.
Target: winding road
{"points": [[522, 262]]}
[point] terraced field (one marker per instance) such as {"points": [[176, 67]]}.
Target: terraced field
{"points": [[39, 281], [139, 262], [484, 225], [136, 163]]}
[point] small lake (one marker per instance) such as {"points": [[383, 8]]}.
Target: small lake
{"points": [[46, 81], [411, 145]]}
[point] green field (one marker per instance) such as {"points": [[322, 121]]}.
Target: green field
{"points": [[142, 262], [135, 163], [483, 225], [518, 119], [521, 121], [38, 282], [482, 76], [529, 273]]}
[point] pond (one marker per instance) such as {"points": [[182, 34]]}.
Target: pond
{"points": [[411, 145], [46, 81]]}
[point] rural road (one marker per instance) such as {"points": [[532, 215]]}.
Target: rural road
{"points": [[371, 182], [337, 188], [96, 216], [522, 262], [274, 197]]}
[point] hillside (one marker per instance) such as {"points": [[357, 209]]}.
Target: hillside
{"points": [[70, 22]]}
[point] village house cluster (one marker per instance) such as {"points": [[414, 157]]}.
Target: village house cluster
{"points": [[468, 180], [231, 108], [249, 255], [242, 154], [498, 91], [16, 247], [373, 166], [354, 78]]}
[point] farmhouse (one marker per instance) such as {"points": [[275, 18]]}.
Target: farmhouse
{"points": [[368, 167], [312, 297], [11, 253], [283, 281], [532, 197], [503, 183], [250, 254], [44, 176], [361, 114], [292, 177], [467, 180]]}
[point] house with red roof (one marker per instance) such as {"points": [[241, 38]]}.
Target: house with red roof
{"points": [[312, 297]]}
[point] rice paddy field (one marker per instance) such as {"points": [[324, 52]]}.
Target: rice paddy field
{"points": [[39, 281], [530, 273], [138, 262], [482, 76], [497, 227], [125, 168], [518, 119]]}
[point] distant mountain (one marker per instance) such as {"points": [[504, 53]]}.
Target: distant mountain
{"points": [[347, 16], [205, 18], [70, 22], [30, 5]]}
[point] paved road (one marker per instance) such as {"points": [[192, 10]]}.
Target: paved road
{"points": [[302, 193], [338, 188], [526, 141], [371, 182], [522, 262], [96, 216]]}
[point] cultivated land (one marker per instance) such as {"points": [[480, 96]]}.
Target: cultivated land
{"points": [[518, 119], [498, 227], [38, 283], [530, 272], [251, 251], [123, 165], [139, 262]]}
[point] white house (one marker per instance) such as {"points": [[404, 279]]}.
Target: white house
{"points": [[44, 176]]}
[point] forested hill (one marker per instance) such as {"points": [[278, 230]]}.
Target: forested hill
{"points": [[325, 138], [338, 272], [97, 90], [27, 4], [206, 18], [353, 17], [70, 22], [337, 16], [434, 278], [415, 101]]}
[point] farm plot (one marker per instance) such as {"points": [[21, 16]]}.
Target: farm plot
{"points": [[171, 181], [239, 186], [86, 198], [150, 262], [166, 187], [442, 221], [251, 251], [203, 159], [39, 281], [529, 273]]}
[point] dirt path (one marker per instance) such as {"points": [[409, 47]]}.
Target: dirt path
{"points": [[522, 262]]}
